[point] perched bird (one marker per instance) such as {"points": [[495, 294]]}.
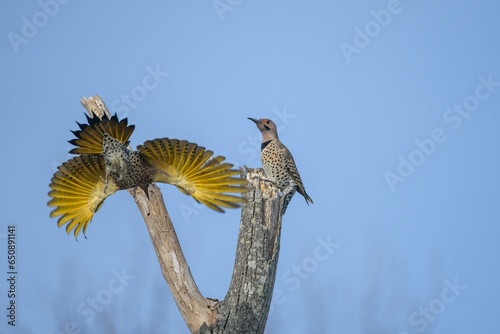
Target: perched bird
{"points": [[278, 163], [105, 164]]}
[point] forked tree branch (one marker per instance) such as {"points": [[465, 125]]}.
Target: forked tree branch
{"points": [[246, 305], [194, 308]]}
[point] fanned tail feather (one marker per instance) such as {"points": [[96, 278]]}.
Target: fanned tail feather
{"points": [[89, 138]]}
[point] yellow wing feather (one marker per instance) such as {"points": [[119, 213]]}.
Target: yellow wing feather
{"points": [[193, 170], [78, 191]]}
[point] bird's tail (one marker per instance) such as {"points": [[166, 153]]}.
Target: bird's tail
{"points": [[301, 190], [308, 199], [89, 138], [195, 172]]}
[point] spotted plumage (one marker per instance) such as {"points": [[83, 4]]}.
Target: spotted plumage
{"points": [[278, 163], [123, 165], [105, 164]]}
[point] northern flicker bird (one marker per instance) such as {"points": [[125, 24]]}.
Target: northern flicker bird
{"points": [[278, 163], [106, 164]]}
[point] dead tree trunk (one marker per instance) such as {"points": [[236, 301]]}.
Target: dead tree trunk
{"points": [[246, 305]]}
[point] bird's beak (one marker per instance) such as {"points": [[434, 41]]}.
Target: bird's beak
{"points": [[256, 121]]}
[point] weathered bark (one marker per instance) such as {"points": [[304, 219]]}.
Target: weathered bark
{"points": [[194, 308], [246, 305]]}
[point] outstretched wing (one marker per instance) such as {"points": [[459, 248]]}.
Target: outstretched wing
{"points": [[78, 191], [90, 136], [194, 171]]}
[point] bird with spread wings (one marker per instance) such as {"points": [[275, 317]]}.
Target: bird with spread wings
{"points": [[105, 163]]}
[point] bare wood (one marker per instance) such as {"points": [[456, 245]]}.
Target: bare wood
{"points": [[246, 306], [95, 106], [194, 308]]}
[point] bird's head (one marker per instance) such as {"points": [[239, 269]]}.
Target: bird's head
{"points": [[267, 127]]}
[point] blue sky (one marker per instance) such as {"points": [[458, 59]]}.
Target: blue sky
{"points": [[391, 109]]}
